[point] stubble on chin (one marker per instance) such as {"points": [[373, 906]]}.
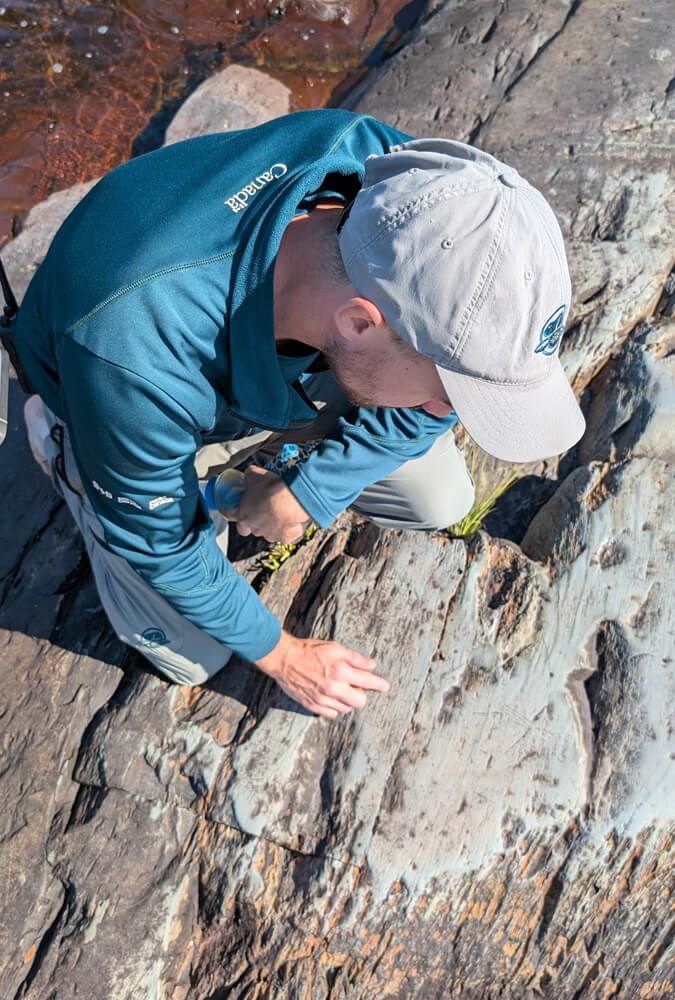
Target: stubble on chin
{"points": [[352, 374]]}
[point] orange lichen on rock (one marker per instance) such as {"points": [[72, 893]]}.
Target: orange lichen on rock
{"points": [[371, 944], [601, 492], [177, 924], [478, 910], [656, 990], [559, 949], [495, 902], [186, 698], [524, 863]]}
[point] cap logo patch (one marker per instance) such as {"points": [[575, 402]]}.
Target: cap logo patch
{"points": [[551, 332]]}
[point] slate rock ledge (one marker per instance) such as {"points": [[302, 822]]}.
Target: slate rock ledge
{"points": [[501, 825]]}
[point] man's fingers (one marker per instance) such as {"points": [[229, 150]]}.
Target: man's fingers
{"points": [[357, 660], [364, 679], [352, 672], [293, 535], [325, 677], [272, 537], [327, 713], [337, 704], [251, 471]]}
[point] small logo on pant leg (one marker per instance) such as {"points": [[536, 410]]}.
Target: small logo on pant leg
{"points": [[551, 332], [153, 637]]}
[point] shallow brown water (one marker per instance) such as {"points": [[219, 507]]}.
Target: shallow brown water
{"points": [[83, 86]]}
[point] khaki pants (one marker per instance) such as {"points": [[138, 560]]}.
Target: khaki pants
{"points": [[428, 493]]}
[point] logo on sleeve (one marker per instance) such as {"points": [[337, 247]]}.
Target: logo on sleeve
{"points": [[154, 637], [159, 502], [551, 332], [239, 200], [111, 496]]}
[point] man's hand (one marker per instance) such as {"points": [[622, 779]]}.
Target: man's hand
{"points": [[269, 509], [325, 677]]}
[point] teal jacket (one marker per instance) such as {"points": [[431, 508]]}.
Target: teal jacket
{"points": [[149, 330]]}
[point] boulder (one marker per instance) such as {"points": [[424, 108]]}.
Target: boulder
{"points": [[24, 254], [237, 97]]}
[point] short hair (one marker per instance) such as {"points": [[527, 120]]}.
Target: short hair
{"points": [[332, 261]]}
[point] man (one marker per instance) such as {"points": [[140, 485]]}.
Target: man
{"points": [[321, 275]]}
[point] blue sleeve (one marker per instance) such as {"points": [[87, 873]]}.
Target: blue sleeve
{"points": [[135, 449], [357, 454]]}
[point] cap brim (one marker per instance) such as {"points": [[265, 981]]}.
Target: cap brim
{"points": [[517, 423]]}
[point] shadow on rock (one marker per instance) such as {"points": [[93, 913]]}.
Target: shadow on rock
{"points": [[48, 591]]}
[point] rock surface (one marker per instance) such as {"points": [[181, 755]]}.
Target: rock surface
{"points": [[23, 255], [237, 97], [575, 97], [500, 825]]}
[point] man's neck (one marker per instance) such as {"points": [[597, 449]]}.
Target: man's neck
{"points": [[303, 292], [293, 348]]}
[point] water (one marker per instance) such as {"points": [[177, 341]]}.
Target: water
{"points": [[84, 86]]}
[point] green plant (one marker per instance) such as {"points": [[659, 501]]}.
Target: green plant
{"points": [[486, 495], [280, 552]]}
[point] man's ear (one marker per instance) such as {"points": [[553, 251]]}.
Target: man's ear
{"points": [[358, 320]]}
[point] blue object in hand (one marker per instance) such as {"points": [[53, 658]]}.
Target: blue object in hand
{"points": [[224, 492]]}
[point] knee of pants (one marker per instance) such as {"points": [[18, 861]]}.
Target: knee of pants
{"points": [[191, 682], [179, 668], [452, 507], [183, 673]]}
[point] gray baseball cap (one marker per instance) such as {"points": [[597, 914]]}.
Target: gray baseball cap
{"points": [[466, 262]]}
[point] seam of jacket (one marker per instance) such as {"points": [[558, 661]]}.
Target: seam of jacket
{"points": [[143, 378], [203, 587], [199, 263], [408, 439], [346, 131], [148, 278]]}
